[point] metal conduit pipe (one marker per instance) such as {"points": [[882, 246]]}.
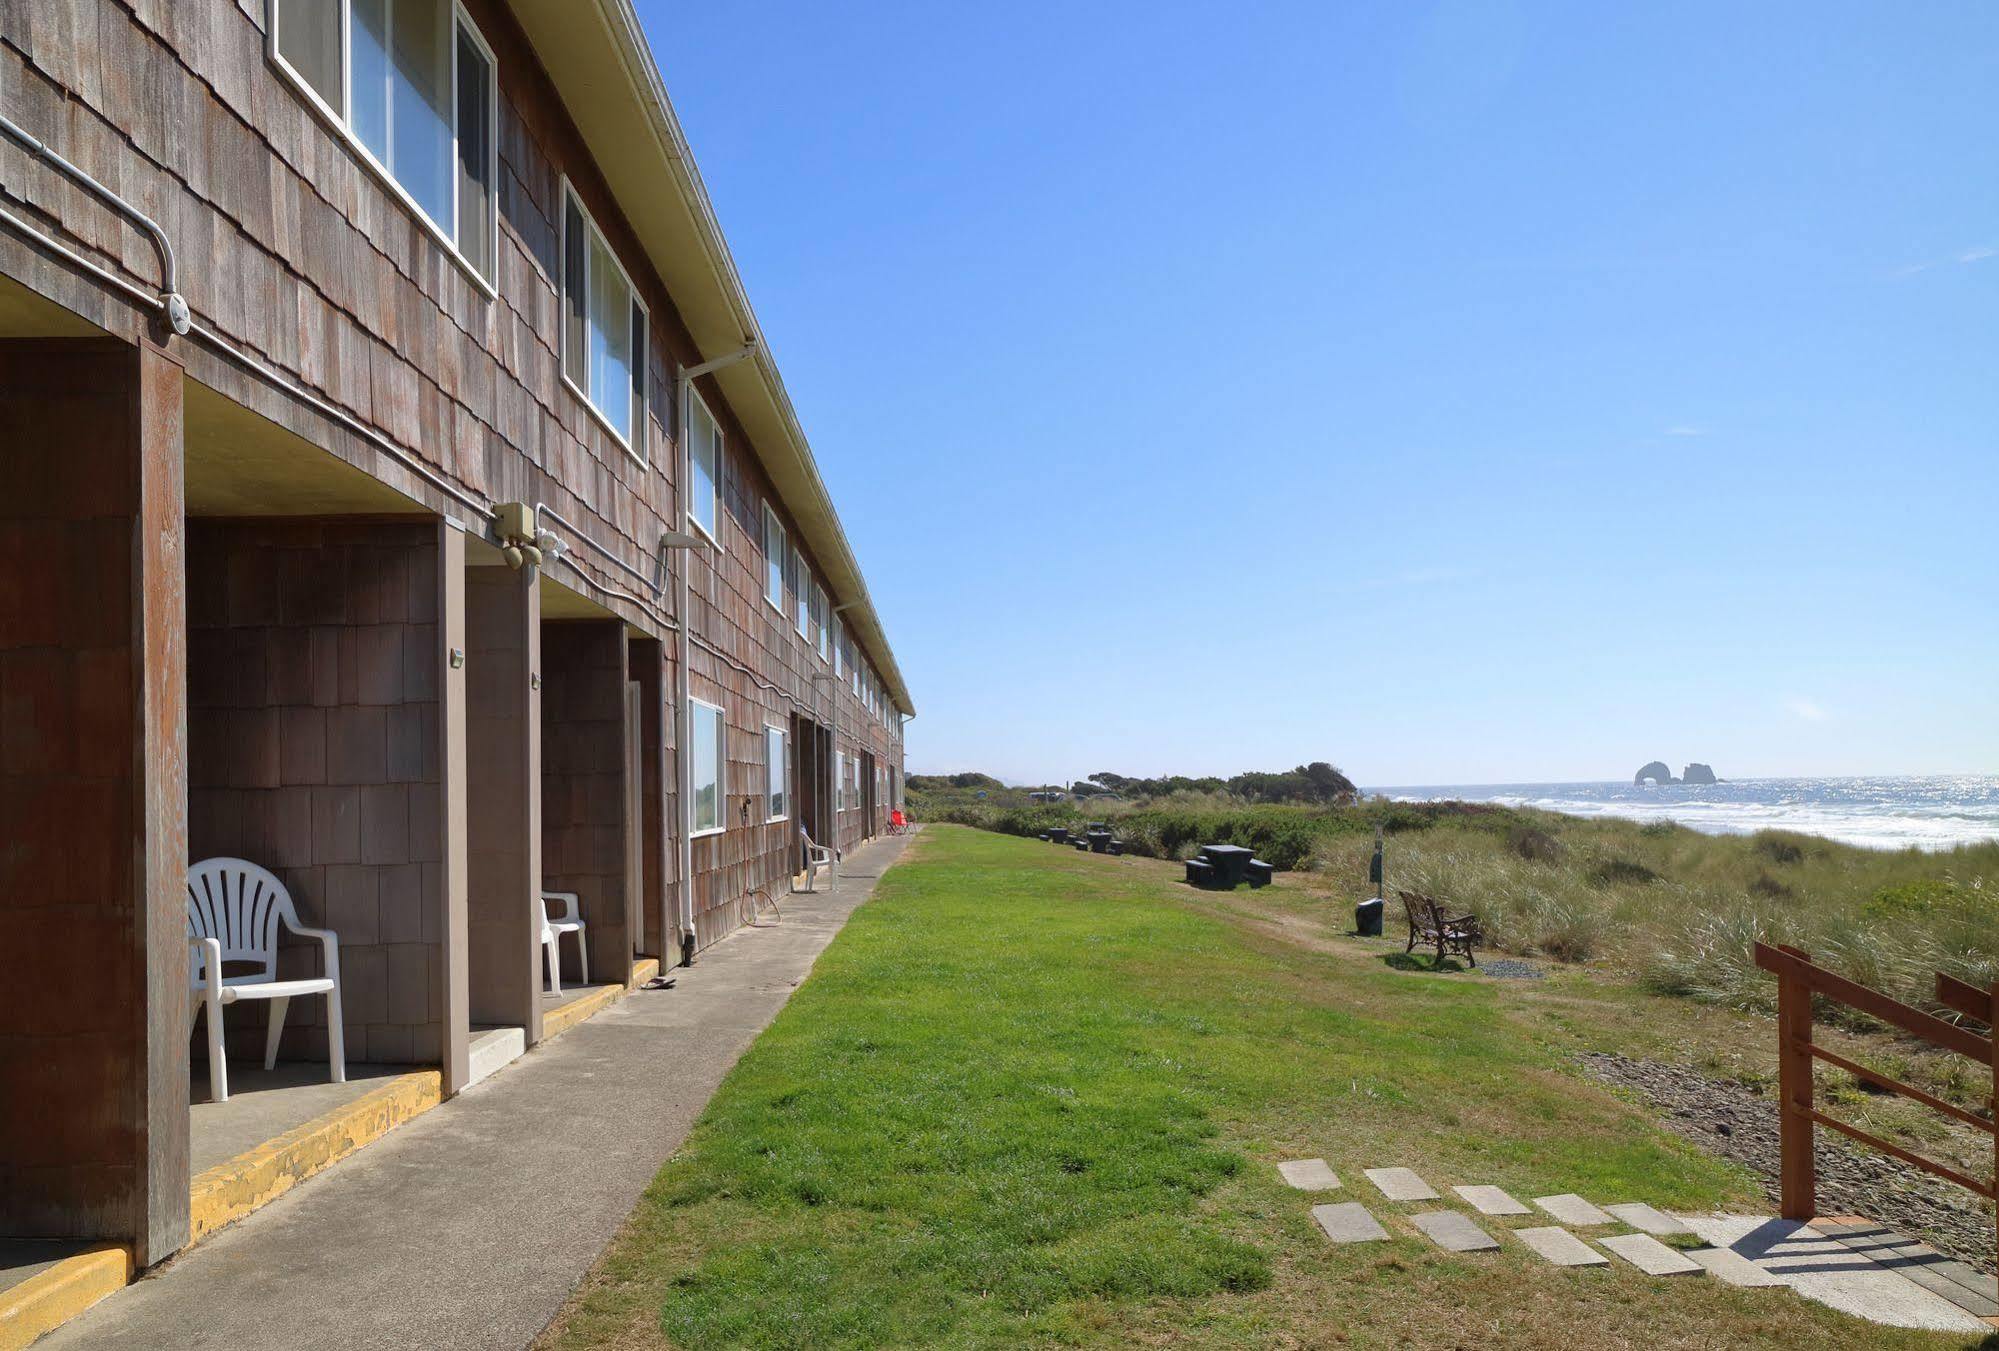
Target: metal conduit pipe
{"points": [[170, 306], [170, 301]]}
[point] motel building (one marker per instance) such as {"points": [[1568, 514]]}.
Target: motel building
{"points": [[404, 518]]}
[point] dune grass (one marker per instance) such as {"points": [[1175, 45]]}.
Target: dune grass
{"points": [[1033, 1097], [1676, 908]]}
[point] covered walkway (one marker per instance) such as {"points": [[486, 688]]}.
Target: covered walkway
{"points": [[469, 1226]]}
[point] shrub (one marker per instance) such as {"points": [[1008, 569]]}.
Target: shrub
{"points": [[1779, 848], [1926, 897], [1618, 871], [1535, 845]]}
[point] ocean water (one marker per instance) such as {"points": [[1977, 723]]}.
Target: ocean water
{"points": [[1933, 811]]}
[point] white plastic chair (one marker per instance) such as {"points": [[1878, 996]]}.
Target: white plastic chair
{"points": [[570, 921], [234, 909], [818, 857]]}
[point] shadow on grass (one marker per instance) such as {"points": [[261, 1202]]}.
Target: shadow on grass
{"points": [[1422, 961]]}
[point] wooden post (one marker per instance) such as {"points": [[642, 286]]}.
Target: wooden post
{"points": [[1992, 1025], [1798, 1187]]}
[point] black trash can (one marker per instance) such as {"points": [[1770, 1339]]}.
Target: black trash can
{"points": [[1367, 918]]}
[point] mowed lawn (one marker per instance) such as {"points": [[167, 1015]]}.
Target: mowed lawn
{"points": [[1031, 1096]]}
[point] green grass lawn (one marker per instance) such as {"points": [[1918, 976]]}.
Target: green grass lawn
{"points": [[1035, 1096]]}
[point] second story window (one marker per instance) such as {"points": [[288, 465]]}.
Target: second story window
{"points": [[413, 85], [819, 618], [774, 547], [603, 328], [704, 465]]}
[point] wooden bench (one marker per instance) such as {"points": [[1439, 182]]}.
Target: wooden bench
{"points": [[1429, 924]]}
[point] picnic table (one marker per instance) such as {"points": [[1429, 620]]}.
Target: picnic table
{"points": [[1224, 866]]}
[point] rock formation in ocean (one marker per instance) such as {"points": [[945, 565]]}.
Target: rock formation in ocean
{"points": [[1656, 772], [1697, 773]]}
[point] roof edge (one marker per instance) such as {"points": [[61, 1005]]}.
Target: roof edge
{"points": [[757, 379]]}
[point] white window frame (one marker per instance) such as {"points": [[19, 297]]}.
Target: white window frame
{"points": [[713, 535], [337, 119], [775, 553], [839, 647], [802, 600], [721, 771], [824, 603], [641, 419], [777, 779]]}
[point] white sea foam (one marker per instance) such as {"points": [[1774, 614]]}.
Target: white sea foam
{"points": [[1927, 812]]}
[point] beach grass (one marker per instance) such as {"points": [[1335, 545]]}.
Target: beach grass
{"points": [[1034, 1097], [1670, 906]]}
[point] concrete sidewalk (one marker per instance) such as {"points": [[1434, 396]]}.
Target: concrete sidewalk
{"points": [[470, 1226]]}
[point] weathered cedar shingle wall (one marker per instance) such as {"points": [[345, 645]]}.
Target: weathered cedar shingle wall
{"points": [[291, 247], [313, 749]]}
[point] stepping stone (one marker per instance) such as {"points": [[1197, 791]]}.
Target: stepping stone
{"points": [[1561, 1247], [1309, 1175], [1641, 1216], [1728, 1265], [1649, 1255], [1572, 1209], [1400, 1184], [1451, 1230], [1491, 1201], [1348, 1222]]}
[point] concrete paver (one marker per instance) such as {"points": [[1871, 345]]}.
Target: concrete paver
{"points": [[1653, 1221], [469, 1226], [1572, 1209], [1309, 1175], [1819, 1267], [1401, 1184], [1728, 1265], [1972, 1291], [1454, 1231], [1348, 1222], [1649, 1255], [1561, 1247], [1491, 1201]]}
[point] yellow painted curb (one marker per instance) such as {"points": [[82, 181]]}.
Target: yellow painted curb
{"points": [[557, 1021], [49, 1299], [229, 1191]]}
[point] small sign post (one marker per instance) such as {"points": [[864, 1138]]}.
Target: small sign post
{"points": [[1367, 915]]}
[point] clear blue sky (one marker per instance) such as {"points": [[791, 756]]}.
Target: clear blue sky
{"points": [[1461, 392]]}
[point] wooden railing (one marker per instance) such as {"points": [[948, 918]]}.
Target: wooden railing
{"points": [[1798, 980]]}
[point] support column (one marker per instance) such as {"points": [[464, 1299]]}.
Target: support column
{"points": [[93, 791], [656, 930], [503, 798], [451, 977]]}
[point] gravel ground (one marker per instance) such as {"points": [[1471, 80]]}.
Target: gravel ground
{"points": [[1505, 968], [1739, 1123]]}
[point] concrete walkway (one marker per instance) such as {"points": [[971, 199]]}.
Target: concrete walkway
{"points": [[470, 1226]]}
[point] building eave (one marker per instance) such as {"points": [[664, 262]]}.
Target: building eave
{"points": [[596, 54]]}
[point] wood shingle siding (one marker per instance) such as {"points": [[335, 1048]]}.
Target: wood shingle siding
{"points": [[292, 247]]}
